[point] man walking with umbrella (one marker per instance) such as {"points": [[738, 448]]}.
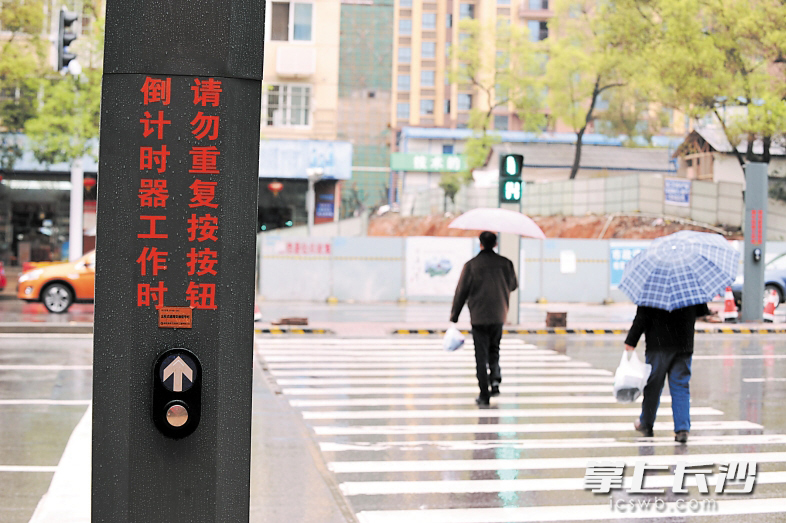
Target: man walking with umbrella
{"points": [[485, 285], [671, 282]]}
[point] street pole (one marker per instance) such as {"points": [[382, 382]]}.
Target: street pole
{"points": [[755, 220], [76, 211], [176, 236], [510, 248], [314, 174]]}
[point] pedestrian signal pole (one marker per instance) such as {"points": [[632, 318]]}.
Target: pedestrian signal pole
{"points": [[177, 208], [755, 221], [510, 192]]}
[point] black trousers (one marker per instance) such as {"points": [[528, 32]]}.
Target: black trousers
{"points": [[487, 339]]}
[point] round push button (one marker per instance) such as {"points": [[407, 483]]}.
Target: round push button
{"points": [[177, 415]]}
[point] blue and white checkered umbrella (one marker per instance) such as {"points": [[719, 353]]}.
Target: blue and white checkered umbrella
{"points": [[682, 269]]}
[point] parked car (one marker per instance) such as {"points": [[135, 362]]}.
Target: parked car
{"points": [[59, 285], [774, 279], [3, 279]]}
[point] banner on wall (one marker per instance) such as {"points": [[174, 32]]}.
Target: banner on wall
{"points": [[620, 253], [676, 192], [433, 265]]}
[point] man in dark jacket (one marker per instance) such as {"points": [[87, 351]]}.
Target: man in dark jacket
{"points": [[485, 285], [669, 338]]}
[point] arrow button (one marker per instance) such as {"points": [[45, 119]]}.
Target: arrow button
{"points": [[178, 367]]}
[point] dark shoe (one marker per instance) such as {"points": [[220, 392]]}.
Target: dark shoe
{"points": [[681, 436], [647, 433], [494, 389], [482, 401]]}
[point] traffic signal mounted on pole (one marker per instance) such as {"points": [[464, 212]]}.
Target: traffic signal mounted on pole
{"points": [[64, 38], [510, 185]]}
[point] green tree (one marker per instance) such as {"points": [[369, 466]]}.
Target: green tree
{"points": [[704, 57], [503, 68], [22, 64], [66, 126], [589, 54]]}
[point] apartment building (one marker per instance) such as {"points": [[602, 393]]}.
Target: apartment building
{"points": [[423, 95]]}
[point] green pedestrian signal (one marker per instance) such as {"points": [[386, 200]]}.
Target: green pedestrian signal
{"points": [[510, 184]]}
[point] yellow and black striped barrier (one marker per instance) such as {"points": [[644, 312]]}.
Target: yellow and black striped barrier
{"points": [[276, 331], [562, 331]]}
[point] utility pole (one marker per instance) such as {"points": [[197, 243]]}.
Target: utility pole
{"points": [[76, 211], [176, 237]]}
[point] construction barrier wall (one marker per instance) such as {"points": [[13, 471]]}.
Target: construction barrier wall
{"points": [[377, 269]]}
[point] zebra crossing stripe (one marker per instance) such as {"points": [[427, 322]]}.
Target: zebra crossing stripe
{"points": [[374, 342], [523, 428], [27, 468], [569, 443], [375, 358], [507, 401], [412, 373], [598, 512], [466, 379], [354, 467], [385, 488], [740, 357], [563, 362], [491, 413], [396, 391]]}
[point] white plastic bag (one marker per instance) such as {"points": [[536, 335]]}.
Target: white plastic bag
{"points": [[453, 339], [630, 378]]}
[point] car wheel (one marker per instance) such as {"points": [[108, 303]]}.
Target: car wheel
{"points": [[57, 298], [770, 287]]}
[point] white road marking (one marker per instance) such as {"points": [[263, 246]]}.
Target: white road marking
{"points": [[563, 362], [413, 372], [354, 467], [378, 358], [376, 488], [46, 367], [459, 380], [44, 402], [398, 391], [524, 428], [740, 357], [600, 512], [568, 443], [491, 413], [508, 401], [26, 468], [762, 380], [45, 335]]}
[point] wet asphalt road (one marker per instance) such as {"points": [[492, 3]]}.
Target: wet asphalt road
{"points": [[396, 424]]}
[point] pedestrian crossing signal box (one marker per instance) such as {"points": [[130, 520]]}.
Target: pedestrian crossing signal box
{"points": [[177, 393], [510, 184]]}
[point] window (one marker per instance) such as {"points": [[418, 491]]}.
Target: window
{"points": [[464, 102], [405, 3], [403, 82], [427, 78], [449, 20], [537, 5], [402, 111], [404, 55], [427, 107], [291, 21], [429, 20], [405, 26], [500, 122], [428, 50], [447, 49], [288, 105], [447, 106], [466, 11], [537, 30], [447, 149], [503, 2]]}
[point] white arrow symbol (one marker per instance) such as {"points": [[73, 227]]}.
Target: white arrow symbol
{"points": [[179, 368]]}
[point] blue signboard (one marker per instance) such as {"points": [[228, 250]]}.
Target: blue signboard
{"points": [[676, 192], [620, 253], [292, 158]]}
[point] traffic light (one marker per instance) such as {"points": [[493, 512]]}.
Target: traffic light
{"points": [[510, 186], [64, 38]]}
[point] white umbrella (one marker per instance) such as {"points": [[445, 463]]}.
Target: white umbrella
{"points": [[498, 220]]}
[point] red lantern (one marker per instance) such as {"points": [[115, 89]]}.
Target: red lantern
{"points": [[275, 187], [90, 183]]}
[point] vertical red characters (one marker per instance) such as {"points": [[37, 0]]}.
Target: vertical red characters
{"points": [[153, 193], [203, 226]]}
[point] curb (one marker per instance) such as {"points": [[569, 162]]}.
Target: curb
{"points": [[36, 328], [279, 332]]}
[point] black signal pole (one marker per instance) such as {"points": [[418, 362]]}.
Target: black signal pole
{"points": [[177, 208]]}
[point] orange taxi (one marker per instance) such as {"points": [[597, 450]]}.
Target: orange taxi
{"points": [[59, 285]]}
